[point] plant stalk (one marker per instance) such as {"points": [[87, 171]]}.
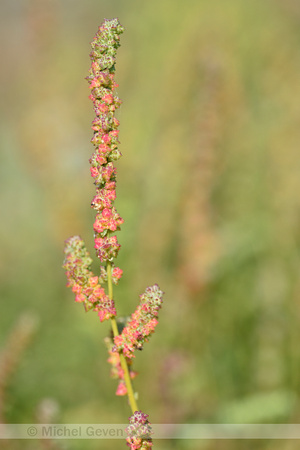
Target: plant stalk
{"points": [[124, 365]]}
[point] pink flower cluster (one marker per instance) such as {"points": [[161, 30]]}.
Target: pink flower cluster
{"points": [[139, 432], [115, 275], [107, 247], [141, 324], [84, 283], [109, 219], [116, 368], [105, 139]]}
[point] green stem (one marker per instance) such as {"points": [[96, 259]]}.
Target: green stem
{"points": [[124, 365]]}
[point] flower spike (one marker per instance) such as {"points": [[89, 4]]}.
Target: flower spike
{"points": [[142, 324], [105, 139], [127, 334], [83, 282]]}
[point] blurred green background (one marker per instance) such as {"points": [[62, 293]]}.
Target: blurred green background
{"points": [[209, 189]]}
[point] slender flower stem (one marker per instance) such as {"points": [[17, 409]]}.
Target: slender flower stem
{"points": [[109, 282], [114, 326], [131, 398]]}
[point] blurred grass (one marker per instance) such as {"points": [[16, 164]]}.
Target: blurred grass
{"points": [[208, 187]]}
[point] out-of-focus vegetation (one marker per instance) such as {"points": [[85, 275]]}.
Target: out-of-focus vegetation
{"points": [[209, 187]]}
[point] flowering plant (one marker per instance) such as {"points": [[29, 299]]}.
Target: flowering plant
{"points": [[88, 287]]}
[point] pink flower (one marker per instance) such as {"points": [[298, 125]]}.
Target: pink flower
{"points": [[110, 185], [103, 78], [108, 98], [76, 288], [106, 138], [118, 339], [106, 213], [121, 390], [116, 274], [87, 290], [99, 292], [107, 248], [101, 160], [93, 281], [80, 298], [98, 227], [103, 199], [95, 66], [116, 122], [114, 133], [103, 148], [98, 243], [92, 298], [107, 172], [94, 172], [94, 83], [104, 315], [96, 139], [103, 107]]}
